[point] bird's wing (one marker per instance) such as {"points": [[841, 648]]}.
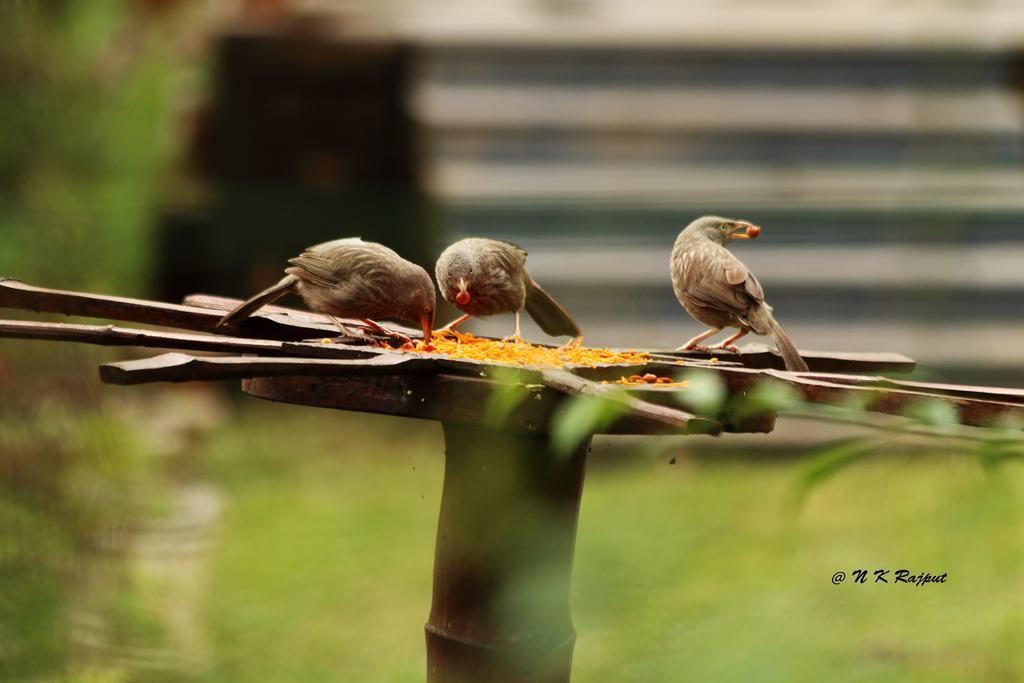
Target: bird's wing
{"points": [[330, 263], [511, 257], [753, 288], [514, 246], [725, 284], [315, 268], [338, 242]]}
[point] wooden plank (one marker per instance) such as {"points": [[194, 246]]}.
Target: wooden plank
{"points": [[970, 412], [109, 335], [18, 295], [180, 367], [651, 410], [879, 397], [447, 398], [223, 304], [758, 356], [1001, 394], [640, 411]]}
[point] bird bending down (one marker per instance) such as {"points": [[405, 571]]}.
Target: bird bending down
{"points": [[350, 278], [483, 277], [718, 290]]}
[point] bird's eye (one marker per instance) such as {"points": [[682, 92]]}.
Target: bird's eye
{"points": [[723, 227]]}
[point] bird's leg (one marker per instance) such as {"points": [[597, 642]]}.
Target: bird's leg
{"points": [[515, 335], [692, 345], [345, 332], [727, 345], [455, 323], [348, 333], [383, 331], [573, 343]]}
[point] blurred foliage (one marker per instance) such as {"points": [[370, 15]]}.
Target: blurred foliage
{"points": [[84, 109], [705, 394], [581, 416], [69, 480], [771, 395], [825, 461], [507, 395], [689, 571]]}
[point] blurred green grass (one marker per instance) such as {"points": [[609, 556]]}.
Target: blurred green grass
{"points": [[693, 571]]}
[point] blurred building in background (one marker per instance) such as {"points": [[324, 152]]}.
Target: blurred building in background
{"points": [[879, 144], [303, 135]]}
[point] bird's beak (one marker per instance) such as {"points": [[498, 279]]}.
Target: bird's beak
{"points": [[744, 231], [462, 298], [426, 324]]}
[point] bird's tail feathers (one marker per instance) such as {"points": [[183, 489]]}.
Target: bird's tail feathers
{"points": [[548, 313], [268, 295], [763, 322]]}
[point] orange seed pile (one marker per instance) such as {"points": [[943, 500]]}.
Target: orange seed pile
{"points": [[468, 346], [650, 379]]}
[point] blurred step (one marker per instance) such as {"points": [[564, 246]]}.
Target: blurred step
{"points": [[850, 24], [889, 266], [498, 107], [480, 180], [611, 224], [647, 65], [700, 148]]}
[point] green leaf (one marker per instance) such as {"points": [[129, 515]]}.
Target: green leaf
{"points": [[995, 452], [705, 395], [826, 462], [933, 412], [507, 395], [582, 417], [769, 395]]}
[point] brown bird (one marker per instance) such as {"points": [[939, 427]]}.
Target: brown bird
{"points": [[351, 278], [719, 291], [483, 277]]}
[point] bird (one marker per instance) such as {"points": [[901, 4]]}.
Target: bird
{"points": [[719, 291], [352, 278], [483, 277]]}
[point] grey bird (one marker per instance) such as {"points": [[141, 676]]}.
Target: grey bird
{"points": [[719, 291], [484, 277], [350, 278]]}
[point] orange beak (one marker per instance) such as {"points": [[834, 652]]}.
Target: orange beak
{"points": [[749, 231], [426, 324], [462, 298]]}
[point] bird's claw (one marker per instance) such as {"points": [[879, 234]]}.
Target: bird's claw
{"points": [[374, 330], [730, 348], [695, 347], [573, 344], [391, 334]]}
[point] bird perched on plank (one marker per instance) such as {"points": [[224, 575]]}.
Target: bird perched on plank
{"points": [[350, 278], [483, 277], [718, 290]]}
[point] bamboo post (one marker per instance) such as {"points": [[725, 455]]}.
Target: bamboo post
{"points": [[503, 565]]}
